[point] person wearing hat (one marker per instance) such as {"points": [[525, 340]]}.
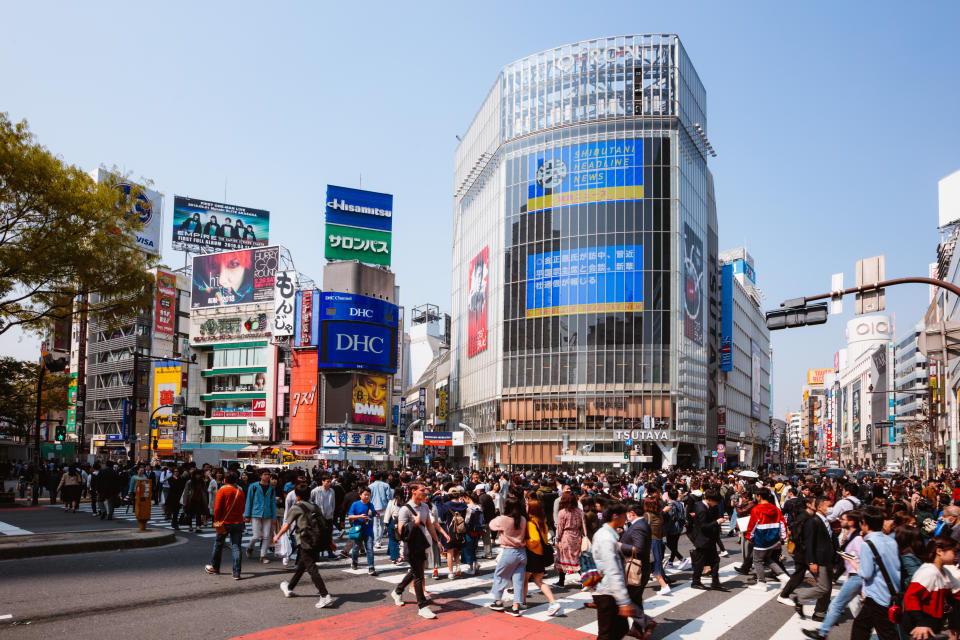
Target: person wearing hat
{"points": [[453, 521]]}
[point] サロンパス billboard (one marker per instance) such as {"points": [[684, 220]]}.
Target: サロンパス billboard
{"points": [[608, 171], [586, 280], [234, 277], [203, 226], [477, 302], [357, 243], [370, 399]]}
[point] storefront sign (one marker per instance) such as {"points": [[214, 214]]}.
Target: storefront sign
{"points": [[230, 328], [258, 430], [352, 439], [284, 303]]}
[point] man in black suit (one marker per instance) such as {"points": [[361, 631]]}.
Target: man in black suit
{"points": [[635, 542], [819, 552], [704, 534]]}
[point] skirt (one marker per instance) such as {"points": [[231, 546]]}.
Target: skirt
{"points": [[70, 493], [535, 562]]}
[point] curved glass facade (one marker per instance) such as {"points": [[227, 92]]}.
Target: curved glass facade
{"points": [[580, 295]]}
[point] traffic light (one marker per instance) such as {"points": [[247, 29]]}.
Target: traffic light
{"points": [[153, 445], [61, 433], [626, 455], [796, 314]]}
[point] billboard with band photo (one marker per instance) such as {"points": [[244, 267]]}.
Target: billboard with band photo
{"points": [[478, 280], [202, 226], [234, 277], [370, 399]]}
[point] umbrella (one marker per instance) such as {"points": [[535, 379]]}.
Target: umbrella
{"points": [[749, 474]]}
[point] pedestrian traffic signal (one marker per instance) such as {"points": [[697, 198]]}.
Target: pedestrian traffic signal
{"points": [[626, 455], [797, 316], [153, 445], [61, 433]]}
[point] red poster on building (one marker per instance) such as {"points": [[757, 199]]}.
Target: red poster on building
{"points": [[304, 396], [478, 277], [166, 303]]}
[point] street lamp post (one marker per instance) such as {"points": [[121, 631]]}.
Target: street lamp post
{"points": [[510, 441]]}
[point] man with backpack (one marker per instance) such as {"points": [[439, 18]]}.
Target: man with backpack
{"points": [[314, 534], [415, 530], [452, 514], [766, 530], [676, 520]]}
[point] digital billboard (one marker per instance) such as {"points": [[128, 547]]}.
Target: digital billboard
{"points": [[357, 345], [479, 277], [370, 399], [355, 307], [165, 303], [167, 377], [306, 319], [692, 285], [356, 243], [726, 318], [608, 171], [234, 277], [202, 226], [586, 280], [359, 208]]}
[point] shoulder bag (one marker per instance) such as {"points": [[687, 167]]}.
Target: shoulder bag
{"points": [[633, 570], [895, 609], [219, 526]]}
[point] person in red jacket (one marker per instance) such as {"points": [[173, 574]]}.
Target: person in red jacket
{"points": [[228, 521], [930, 589], [767, 530]]}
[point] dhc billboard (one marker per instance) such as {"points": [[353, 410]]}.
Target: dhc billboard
{"points": [[356, 308], [358, 345]]}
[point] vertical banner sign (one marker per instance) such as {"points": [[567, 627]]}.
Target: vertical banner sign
{"points": [[284, 303], [306, 319], [282, 389], [755, 370], [304, 401], [693, 285], [166, 303], [855, 411], [477, 303], [422, 405], [726, 318]]}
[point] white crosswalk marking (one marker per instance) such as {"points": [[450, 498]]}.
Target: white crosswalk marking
{"points": [[725, 616]]}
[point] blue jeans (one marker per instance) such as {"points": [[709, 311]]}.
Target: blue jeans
{"points": [[378, 529], [393, 547], [657, 547], [355, 552], [850, 590], [511, 566], [470, 550], [235, 532]]}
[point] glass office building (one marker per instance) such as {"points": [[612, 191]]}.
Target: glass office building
{"points": [[584, 251]]}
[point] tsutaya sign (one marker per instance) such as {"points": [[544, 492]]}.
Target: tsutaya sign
{"points": [[641, 434]]}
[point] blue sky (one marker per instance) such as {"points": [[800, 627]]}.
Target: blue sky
{"points": [[833, 121]]}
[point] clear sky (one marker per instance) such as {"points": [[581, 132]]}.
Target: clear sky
{"points": [[833, 121]]}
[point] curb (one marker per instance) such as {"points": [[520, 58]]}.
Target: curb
{"points": [[51, 544]]}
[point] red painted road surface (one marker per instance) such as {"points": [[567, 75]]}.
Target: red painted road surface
{"points": [[455, 620]]}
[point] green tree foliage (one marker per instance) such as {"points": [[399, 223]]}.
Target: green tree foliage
{"points": [[60, 233], [18, 395]]}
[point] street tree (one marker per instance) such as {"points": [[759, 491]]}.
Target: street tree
{"points": [[18, 396], [62, 233]]}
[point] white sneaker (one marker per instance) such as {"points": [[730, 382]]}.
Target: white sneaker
{"points": [[325, 601], [783, 578], [554, 609], [469, 571], [724, 554], [786, 601], [426, 613], [285, 588], [759, 586], [286, 562], [664, 591], [397, 598], [450, 576], [684, 564]]}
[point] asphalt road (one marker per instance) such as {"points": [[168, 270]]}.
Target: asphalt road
{"points": [[164, 593]]}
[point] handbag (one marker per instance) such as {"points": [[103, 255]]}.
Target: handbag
{"points": [[589, 574], [633, 570], [548, 557], [355, 532], [584, 541], [218, 525], [895, 610]]}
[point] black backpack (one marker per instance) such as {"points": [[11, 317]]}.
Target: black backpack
{"points": [[318, 533], [690, 504]]}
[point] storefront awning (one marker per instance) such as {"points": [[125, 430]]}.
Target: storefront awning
{"points": [[301, 448], [223, 446]]}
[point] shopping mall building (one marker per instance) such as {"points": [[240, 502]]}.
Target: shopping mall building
{"points": [[585, 297]]}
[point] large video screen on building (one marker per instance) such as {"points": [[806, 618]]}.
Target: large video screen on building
{"points": [[607, 171], [234, 277], [587, 280], [201, 226]]}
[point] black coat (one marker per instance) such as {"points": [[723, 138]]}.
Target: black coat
{"points": [[108, 483], [635, 539], [817, 542], [706, 530]]}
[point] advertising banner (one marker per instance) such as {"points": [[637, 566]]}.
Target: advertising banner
{"points": [[855, 411], [165, 303], [358, 345], [692, 285], [355, 243], [477, 302], [284, 303], [202, 226], [422, 404], [352, 439], [441, 404], [815, 376], [726, 318], [254, 409], [586, 280], [306, 319], [146, 207], [370, 399], [359, 208], [755, 374], [229, 329], [305, 399], [742, 267], [258, 431], [234, 277], [607, 171], [357, 308], [166, 386]]}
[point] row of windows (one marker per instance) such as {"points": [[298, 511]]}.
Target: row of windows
{"points": [[243, 382], [238, 357], [591, 225], [647, 366]]}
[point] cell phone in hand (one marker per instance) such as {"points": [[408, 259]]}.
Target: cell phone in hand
{"points": [[846, 556]]}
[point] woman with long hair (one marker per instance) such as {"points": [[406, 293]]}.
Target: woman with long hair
{"points": [[511, 566], [570, 529], [539, 554], [653, 514], [930, 591]]}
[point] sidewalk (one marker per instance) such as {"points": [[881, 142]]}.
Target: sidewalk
{"points": [[49, 544]]}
